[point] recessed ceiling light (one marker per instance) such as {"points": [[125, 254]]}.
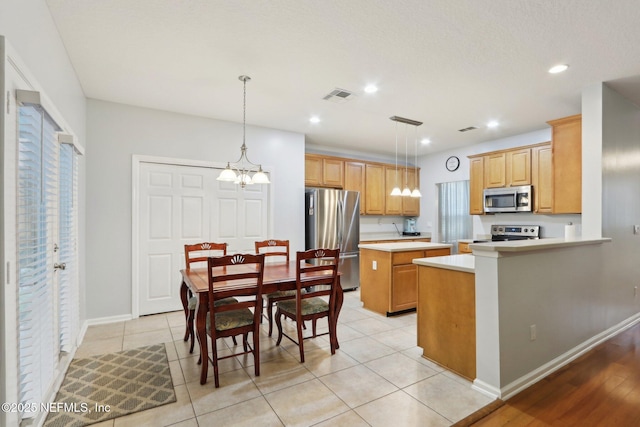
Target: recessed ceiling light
{"points": [[492, 124], [425, 141], [314, 119], [371, 89], [558, 68]]}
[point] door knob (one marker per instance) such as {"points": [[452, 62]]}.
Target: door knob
{"points": [[60, 266]]}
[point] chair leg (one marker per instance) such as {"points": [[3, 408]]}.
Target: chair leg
{"points": [[214, 349], [233, 338], [313, 327], [270, 314], [245, 343], [279, 325], [190, 332], [256, 351], [300, 341]]}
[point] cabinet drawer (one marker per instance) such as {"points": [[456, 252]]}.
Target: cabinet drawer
{"points": [[438, 252], [406, 257], [463, 248]]}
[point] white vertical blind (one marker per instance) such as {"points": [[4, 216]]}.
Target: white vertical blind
{"points": [[37, 204], [67, 230], [454, 221]]}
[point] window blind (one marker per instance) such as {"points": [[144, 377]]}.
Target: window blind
{"points": [[37, 193], [454, 221]]}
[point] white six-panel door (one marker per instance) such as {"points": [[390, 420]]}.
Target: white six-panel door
{"points": [[181, 205]]}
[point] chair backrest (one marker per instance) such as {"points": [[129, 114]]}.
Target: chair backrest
{"points": [[236, 275], [317, 272], [199, 252], [273, 247]]}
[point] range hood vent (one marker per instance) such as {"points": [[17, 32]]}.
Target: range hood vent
{"points": [[339, 96], [467, 129]]}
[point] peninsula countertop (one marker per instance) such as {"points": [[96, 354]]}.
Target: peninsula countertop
{"points": [[403, 246], [461, 262]]}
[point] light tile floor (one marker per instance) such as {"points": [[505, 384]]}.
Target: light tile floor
{"points": [[376, 378]]}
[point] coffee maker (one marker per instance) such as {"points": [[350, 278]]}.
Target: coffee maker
{"points": [[410, 227]]}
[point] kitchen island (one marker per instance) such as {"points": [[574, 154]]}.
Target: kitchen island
{"points": [[388, 277], [447, 312]]}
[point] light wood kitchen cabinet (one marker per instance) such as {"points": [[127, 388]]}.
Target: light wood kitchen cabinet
{"points": [[518, 167], [447, 318], [322, 171], [542, 178], [393, 204], [566, 146], [354, 180], [392, 285], [495, 170], [411, 205], [374, 189], [463, 248], [476, 185]]}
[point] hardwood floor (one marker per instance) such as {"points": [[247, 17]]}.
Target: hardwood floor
{"points": [[601, 388]]}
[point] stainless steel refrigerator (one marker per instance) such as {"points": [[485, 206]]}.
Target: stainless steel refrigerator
{"points": [[333, 221]]}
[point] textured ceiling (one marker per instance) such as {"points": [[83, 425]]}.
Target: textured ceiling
{"points": [[450, 64]]}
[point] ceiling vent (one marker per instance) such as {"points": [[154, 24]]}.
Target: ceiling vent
{"points": [[467, 129], [339, 96]]}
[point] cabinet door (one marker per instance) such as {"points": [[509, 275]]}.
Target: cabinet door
{"points": [[354, 180], [518, 167], [332, 173], [494, 170], [404, 294], [476, 186], [566, 146], [411, 205], [374, 189], [393, 204], [542, 179], [312, 170]]}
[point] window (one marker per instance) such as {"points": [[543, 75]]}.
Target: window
{"points": [[454, 221]]}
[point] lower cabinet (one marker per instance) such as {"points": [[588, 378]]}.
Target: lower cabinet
{"points": [[447, 318], [389, 280]]}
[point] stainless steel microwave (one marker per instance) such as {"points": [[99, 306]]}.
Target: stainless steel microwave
{"points": [[508, 199]]}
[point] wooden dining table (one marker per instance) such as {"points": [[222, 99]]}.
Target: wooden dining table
{"points": [[278, 276]]}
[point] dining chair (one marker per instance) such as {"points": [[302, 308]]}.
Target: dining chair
{"points": [[316, 279], [274, 248], [194, 255], [241, 276]]}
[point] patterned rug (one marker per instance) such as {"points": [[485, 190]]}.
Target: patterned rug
{"points": [[112, 385]]}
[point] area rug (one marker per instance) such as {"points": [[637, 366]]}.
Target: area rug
{"points": [[104, 387]]}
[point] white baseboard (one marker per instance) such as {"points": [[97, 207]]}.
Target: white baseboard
{"points": [[100, 321], [486, 389], [548, 368]]}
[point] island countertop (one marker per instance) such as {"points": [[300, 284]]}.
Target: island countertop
{"points": [[369, 237], [403, 246], [461, 262], [516, 246]]}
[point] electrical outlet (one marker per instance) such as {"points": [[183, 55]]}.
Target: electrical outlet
{"points": [[374, 265], [636, 229], [533, 333], [635, 291]]}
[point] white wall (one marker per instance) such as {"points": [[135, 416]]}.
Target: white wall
{"points": [[117, 132], [433, 172]]}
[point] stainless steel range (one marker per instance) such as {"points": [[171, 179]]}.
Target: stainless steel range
{"points": [[502, 233]]}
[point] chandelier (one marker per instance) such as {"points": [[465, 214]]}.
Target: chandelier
{"points": [[239, 172], [407, 191]]}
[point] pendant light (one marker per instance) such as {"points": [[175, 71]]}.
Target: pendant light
{"points": [[406, 191], [396, 190], [416, 191], [238, 172]]}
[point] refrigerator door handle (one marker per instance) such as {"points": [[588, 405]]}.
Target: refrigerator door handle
{"points": [[340, 224], [351, 255]]}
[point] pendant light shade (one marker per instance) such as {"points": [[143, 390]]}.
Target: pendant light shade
{"points": [[407, 191], [240, 172]]}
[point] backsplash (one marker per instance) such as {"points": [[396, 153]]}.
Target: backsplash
{"points": [[550, 225], [381, 224]]}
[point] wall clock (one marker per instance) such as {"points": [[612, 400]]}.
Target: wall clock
{"points": [[452, 163]]}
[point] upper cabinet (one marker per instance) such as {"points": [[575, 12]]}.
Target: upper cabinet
{"points": [[322, 171], [566, 148], [373, 180], [554, 169], [354, 180]]}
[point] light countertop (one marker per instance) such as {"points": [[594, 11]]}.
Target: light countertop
{"points": [[533, 245], [364, 237], [462, 262], [403, 246]]}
